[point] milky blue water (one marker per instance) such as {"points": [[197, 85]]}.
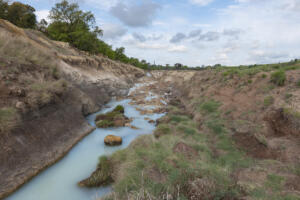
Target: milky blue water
{"points": [[59, 182]]}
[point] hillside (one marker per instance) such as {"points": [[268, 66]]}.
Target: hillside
{"points": [[230, 133], [46, 89]]}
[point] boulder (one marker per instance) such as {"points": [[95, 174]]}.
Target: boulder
{"points": [[20, 105], [134, 127], [112, 140]]}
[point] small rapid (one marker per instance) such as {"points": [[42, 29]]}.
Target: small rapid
{"points": [[59, 181]]}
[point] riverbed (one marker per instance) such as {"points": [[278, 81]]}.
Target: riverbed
{"points": [[59, 182]]}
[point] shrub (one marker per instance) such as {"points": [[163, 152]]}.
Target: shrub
{"points": [[269, 100], [250, 81], [278, 78], [119, 109], [210, 106], [264, 75], [216, 126]]}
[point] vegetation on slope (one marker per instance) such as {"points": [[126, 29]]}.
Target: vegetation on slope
{"points": [[230, 140]]}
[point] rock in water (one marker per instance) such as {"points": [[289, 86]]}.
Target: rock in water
{"points": [[112, 140]]}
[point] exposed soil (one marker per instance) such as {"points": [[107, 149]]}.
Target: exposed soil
{"points": [[50, 91]]}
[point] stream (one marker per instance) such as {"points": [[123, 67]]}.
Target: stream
{"points": [[59, 182]]}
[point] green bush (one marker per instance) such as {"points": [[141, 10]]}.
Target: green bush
{"points": [[278, 78], [264, 75], [119, 109], [269, 100], [210, 106], [216, 126]]}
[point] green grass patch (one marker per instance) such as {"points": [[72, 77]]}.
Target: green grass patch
{"points": [[107, 119], [278, 77], [162, 129], [269, 100], [264, 76], [210, 106], [104, 124], [216, 125], [274, 182], [179, 118], [101, 177], [291, 112]]}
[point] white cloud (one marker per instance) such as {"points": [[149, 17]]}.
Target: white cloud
{"points": [[201, 2], [42, 14], [113, 31], [180, 48]]}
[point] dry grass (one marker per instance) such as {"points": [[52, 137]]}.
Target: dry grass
{"points": [[8, 117]]}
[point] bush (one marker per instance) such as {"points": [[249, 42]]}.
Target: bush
{"points": [[269, 100], [210, 106], [119, 109], [216, 126], [278, 78], [264, 75]]}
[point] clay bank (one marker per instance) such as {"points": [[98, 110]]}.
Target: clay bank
{"points": [[60, 180]]}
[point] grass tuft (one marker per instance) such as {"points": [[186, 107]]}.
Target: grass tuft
{"points": [[278, 78], [269, 100]]}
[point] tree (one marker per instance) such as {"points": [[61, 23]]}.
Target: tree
{"points": [[3, 9], [70, 24], [21, 15], [178, 66], [120, 54], [42, 25]]}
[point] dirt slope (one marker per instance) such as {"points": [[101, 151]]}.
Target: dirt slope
{"points": [[46, 89]]}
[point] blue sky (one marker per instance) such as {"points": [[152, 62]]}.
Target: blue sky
{"points": [[197, 32]]}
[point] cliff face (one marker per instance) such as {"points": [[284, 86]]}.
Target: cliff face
{"points": [[46, 89]]}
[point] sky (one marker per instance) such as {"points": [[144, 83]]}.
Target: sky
{"points": [[196, 32]]}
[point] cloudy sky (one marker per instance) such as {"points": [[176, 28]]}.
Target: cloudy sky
{"points": [[197, 32]]}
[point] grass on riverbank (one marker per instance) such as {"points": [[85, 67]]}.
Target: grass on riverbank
{"points": [[186, 163], [179, 162]]}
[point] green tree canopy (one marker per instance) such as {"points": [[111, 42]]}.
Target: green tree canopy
{"points": [[18, 13], [70, 24], [3, 9]]}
